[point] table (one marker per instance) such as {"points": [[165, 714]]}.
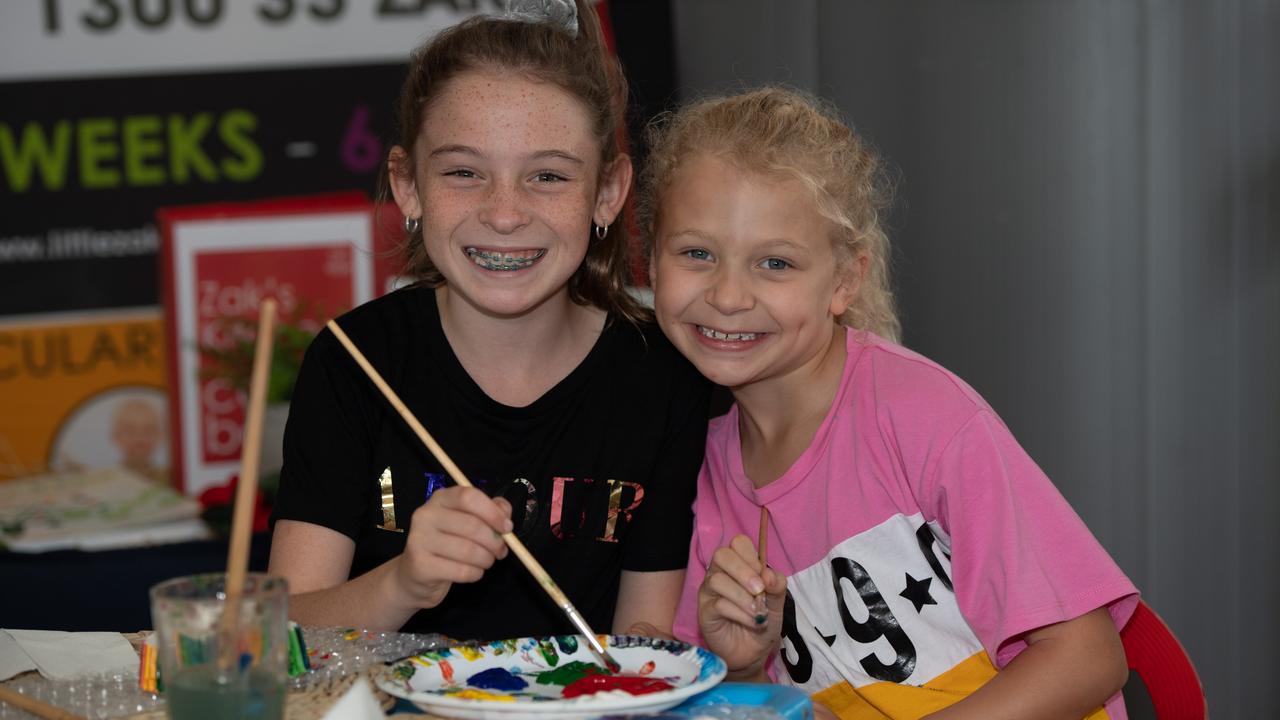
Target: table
{"points": [[313, 702], [119, 696]]}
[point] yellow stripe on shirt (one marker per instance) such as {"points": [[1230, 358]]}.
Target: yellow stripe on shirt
{"points": [[891, 701]]}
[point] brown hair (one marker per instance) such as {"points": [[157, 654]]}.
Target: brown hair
{"points": [[780, 131], [582, 67]]}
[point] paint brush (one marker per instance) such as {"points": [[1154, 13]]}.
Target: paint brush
{"points": [[526, 558], [246, 489], [39, 708], [762, 542]]}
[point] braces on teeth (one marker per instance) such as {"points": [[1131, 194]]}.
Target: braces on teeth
{"points": [[717, 335], [503, 261]]}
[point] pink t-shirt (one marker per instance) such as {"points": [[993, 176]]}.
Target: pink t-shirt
{"points": [[914, 532]]}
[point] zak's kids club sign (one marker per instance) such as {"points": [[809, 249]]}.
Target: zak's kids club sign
{"points": [[316, 257]]}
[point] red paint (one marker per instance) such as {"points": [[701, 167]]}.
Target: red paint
{"points": [[632, 684]]}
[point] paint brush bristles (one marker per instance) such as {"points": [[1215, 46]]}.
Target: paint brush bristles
{"points": [[762, 542], [526, 558]]}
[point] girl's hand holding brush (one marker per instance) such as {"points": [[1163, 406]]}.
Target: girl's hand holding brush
{"points": [[740, 608], [454, 538]]}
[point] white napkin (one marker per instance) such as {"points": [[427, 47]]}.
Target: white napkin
{"points": [[357, 703], [62, 655]]}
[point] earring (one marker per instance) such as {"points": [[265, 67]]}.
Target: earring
{"points": [[411, 225], [601, 230]]}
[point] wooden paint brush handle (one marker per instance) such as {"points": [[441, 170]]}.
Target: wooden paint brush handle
{"points": [[39, 708], [762, 539], [762, 543], [521, 552], [246, 488], [250, 451]]}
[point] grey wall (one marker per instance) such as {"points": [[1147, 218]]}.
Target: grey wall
{"points": [[1088, 230]]}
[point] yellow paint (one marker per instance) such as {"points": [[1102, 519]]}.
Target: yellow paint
{"points": [[470, 653], [471, 694]]}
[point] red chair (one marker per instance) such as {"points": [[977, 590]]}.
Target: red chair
{"points": [[1164, 666]]}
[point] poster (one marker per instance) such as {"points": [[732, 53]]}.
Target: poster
{"points": [[83, 392], [314, 256]]}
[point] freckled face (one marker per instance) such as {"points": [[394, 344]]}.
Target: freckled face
{"points": [[506, 175], [746, 281]]}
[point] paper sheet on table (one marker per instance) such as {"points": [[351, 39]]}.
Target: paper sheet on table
{"points": [[62, 655], [78, 509], [13, 659], [357, 703], [130, 537]]}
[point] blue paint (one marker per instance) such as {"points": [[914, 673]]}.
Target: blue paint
{"points": [[497, 679]]}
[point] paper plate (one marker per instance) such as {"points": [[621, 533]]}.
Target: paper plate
{"points": [[528, 677]]}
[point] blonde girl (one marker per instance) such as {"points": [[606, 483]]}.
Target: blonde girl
{"points": [[919, 562]]}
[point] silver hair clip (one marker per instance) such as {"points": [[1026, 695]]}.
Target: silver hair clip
{"points": [[559, 13]]}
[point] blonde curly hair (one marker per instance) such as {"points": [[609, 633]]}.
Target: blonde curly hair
{"points": [[784, 132]]}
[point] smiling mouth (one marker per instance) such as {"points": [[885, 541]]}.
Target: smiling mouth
{"points": [[504, 261], [727, 336]]}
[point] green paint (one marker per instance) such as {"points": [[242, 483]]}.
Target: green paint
{"points": [[548, 651], [570, 673], [568, 644]]}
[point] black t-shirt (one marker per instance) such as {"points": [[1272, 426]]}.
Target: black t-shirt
{"points": [[601, 470]]}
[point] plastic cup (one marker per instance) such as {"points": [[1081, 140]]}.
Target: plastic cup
{"points": [[211, 670]]}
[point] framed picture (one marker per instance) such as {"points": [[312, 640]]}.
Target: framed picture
{"points": [[316, 256]]}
